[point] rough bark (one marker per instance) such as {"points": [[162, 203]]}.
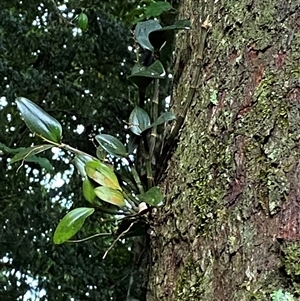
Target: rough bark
{"points": [[229, 229]]}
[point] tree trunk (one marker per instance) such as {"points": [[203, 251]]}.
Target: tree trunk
{"points": [[229, 229]]}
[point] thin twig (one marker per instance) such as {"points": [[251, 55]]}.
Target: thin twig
{"points": [[116, 240], [61, 16], [89, 237]]}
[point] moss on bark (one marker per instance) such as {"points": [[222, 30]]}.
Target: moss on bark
{"points": [[232, 184]]}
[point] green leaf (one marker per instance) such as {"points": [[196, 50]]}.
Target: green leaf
{"points": [[152, 197], [138, 77], [38, 121], [142, 76], [179, 24], [150, 35], [102, 174], [9, 150], [112, 145], [157, 38], [83, 21], [43, 162], [110, 195], [80, 161], [24, 154], [88, 190], [101, 153], [135, 15], [139, 121], [157, 8], [71, 224], [164, 117], [142, 31]]}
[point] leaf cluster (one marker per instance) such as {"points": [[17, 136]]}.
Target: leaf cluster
{"points": [[100, 181], [60, 61]]}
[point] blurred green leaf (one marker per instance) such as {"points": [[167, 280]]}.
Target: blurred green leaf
{"points": [[80, 161], [179, 24], [88, 190], [142, 76], [30, 151], [138, 77], [38, 121], [83, 21], [156, 70], [101, 153], [71, 224], [110, 195], [157, 8], [139, 121], [157, 38], [43, 162], [152, 197], [112, 145], [9, 150], [164, 117], [102, 174]]}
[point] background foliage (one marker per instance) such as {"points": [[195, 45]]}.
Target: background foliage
{"points": [[80, 78]]}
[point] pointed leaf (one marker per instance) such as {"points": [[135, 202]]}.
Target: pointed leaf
{"points": [[9, 150], [164, 117], [157, 38], [141, 81], [38, 121], [153, 196], [112, 145], [88, 190], [30, 151], [139, 121], [102, 174], [110, 195], [80, 161], [142, 31], [71, 224], [179, 24], [142, 76], [43, 162]]}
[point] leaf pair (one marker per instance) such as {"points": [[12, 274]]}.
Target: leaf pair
{"points": [[95, 172], [140, 120], [151, 35], [109, 191], [142, 76]]}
